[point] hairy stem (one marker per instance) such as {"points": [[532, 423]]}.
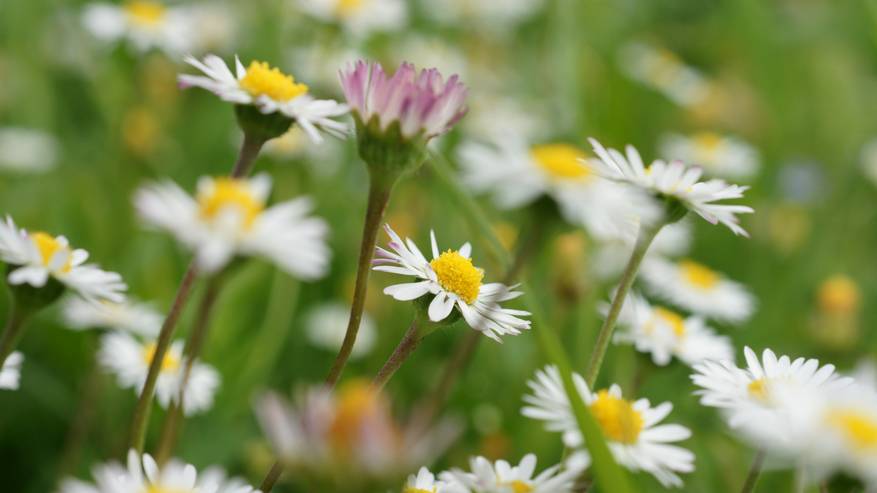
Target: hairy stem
{"points": [[406, 346], [754, 472], [247, 156], [13, 331]]}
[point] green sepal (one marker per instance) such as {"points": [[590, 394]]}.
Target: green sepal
{"points": [[388, 152], [674, 209], [261, 126], [30, 299]]}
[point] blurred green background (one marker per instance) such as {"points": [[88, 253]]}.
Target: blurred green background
{"points": [[797, 79]]}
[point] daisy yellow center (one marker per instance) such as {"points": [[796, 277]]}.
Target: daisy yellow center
{"points": [[170, 363], [457, 274], [560, 161], [758, 389], [263, 80], [347, 7], [699, 275], [671, 318], [618, 419], [356, 403], [230, 193], [145, 13], [411, 489], [48, 246], [518, 486], [859, 428], [708, 141]]}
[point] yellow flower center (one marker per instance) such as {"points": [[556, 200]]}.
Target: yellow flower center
{"points": [[758, 389], [457, 275], [857, 427], [345, 8], [170, 363], [230, 193], [839, 294], [560, 161], [48, 246], [263, 80], [699, 275], [411, 489], [519, 486], [356, 404], [145, 12], [708, 141], [671, 318], [618, 419]]}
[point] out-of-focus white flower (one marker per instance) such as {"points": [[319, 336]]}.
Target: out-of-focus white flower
{"points": [[130, 316], [432, 52], [36, 257], [518, 118], [699, 289], [326, 326], [504, 477], [611, 257], [214, 26], [319, 64], [27, 150], [493, 15], [359, 17], [424, 480], [129, 359], [721, 156], [10, 373], [146, 24], [663, 71], [228, 217], [323, 159], [631, 428]]}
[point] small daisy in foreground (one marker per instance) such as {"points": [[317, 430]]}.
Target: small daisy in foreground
{"points": [[129, 359], [270, 90], [756, 400], [630, 427], [36, 257], [516, 175], [146, 24], [229, 216], [425, 482], [144, 475], [487, 477], [665, 334], [10, 373], [673, 184], [326, 325], [721, 156], [359, 17], [129, 316], [454, 281], [26, 150], [699, 289]]}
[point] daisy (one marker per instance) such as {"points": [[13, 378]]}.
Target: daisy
{"points": [[146, 24], [454, 281], [630, 427], [502, 477], [664, 71], [36, 257], [847, 437], [229, 216], [359, 17], [756, 400], [326, 324], [672, 184], [129, 316], [26, 150], [611, 256], [665, 334], [10, 373], [516, 174], [699, 289], [425, 482], [268, 89], [719, 155], [129, 359]]}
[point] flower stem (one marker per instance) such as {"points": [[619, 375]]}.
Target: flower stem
{"points": [[195, 343], [249, 150], [272, 477], [406, 346], [141, 412], [13, 331], [644, 239], [378, 197], [754, 472]]}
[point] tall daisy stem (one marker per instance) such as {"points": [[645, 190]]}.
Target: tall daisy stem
{"points": [[249, 151], [406, 346], [141, 412], [378, 197], [644, 239], [13, 331], [754, 472], [194, 344]]}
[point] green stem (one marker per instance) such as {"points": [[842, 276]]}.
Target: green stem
{"points": [[141, 412], [754, 472], [248, 153], [13, 331], [272, 477], [378, 197], [644, 239], [406, 346]]}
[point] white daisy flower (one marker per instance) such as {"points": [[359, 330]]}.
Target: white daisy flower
{"points": [[630, 427], [424, 482], [516, 175], [756, 399], [130, 316], [326, 325], [673, 182], [699, 289], [502, 477], [37, 256], [10, 373], [129, 359], [454, 282], [270, 90], [666, 334], [666, 72], [359, 17], [610, 257], [847, 436], [146, 24], [26, 150], [523, 118], [229, 216], [719, 155]]}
